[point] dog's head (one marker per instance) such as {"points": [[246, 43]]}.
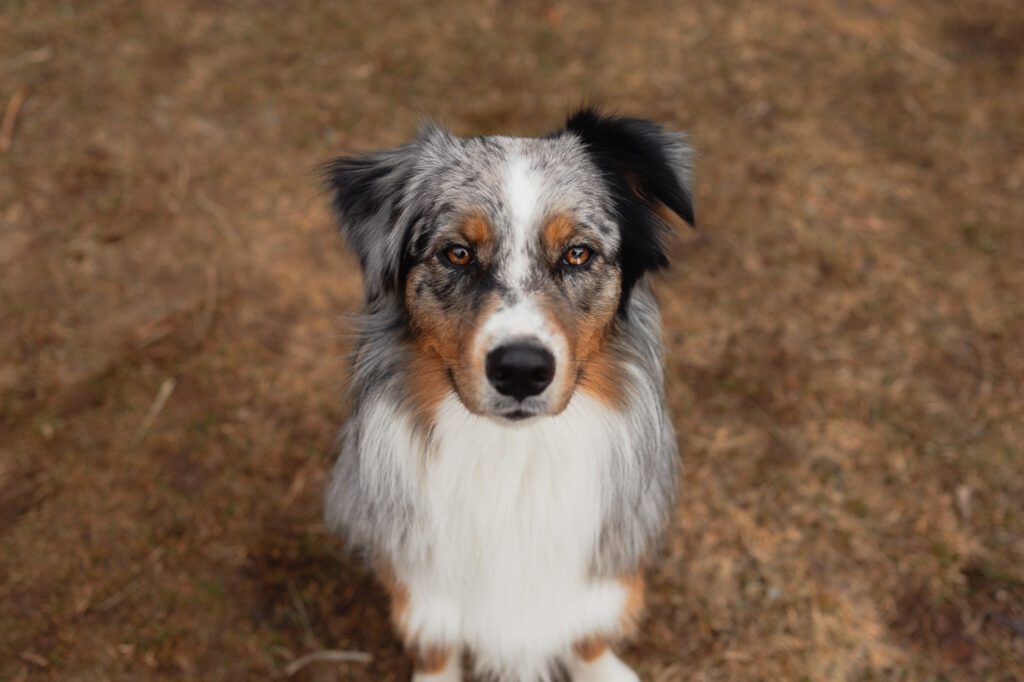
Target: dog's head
{"points": [[513, 258]]}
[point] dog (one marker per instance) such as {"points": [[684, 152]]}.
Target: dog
{"points": [[508, 460]]}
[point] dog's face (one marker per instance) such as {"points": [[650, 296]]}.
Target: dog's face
{"points": [[513, 258]]}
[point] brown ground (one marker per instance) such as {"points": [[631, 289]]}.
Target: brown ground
{"points": [[845, 332]]}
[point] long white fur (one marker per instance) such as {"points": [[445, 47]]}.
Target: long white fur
{"points": [[511, 515]]}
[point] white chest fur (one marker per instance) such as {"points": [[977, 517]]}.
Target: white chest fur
{"points": [[510, 516]]}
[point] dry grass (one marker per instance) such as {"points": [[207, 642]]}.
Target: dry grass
{"points": [[846, 333]]}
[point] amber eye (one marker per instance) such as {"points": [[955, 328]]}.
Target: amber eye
{"points": [[576, 255], [458, 255]]}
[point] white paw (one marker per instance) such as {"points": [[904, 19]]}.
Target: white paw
{"points": [[605, 668]]}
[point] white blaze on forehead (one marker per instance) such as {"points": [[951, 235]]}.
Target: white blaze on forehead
{"points": [[522, 196]]}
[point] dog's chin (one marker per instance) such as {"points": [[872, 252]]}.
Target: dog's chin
{"points": [[509, 412], [517, 416]]}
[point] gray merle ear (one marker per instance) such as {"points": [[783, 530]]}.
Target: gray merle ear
{"points": [[370, 195], [647, 169]]}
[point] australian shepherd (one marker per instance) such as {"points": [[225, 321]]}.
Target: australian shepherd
{"points": [[509, 460]]}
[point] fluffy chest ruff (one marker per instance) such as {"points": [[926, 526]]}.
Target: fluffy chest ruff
{"points": [[510, 519]]}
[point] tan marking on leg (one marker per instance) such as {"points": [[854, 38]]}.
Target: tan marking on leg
{"points": [[399, 595], [590, 648], [430, 660], [630, 616]]}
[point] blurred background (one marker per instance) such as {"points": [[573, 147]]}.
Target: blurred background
{"points": [[845, 330]]}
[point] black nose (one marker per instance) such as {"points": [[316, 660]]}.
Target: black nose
{"points": [[520, 370]]}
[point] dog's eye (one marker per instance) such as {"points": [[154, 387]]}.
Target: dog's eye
{"points": [[458, 255], [576, 255]]}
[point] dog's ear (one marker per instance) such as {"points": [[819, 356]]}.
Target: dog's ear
{"points": [[373, 200], [647, 168]]}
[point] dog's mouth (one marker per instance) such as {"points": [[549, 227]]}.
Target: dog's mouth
{"points": [[518, 415]]}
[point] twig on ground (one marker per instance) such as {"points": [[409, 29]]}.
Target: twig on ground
{"points": [[180, 188], [36, 56], [303, 616], [326, 656], [773, 431], [926, 56], [34, 658], [113, 600], [10, 114], [210, 302], [697, 37], [220, 221], [159, 401]]}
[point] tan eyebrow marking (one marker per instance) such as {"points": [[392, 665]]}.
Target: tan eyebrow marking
{"points": [[558, 231], [477, 230]]}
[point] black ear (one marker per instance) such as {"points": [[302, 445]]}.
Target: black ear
{"points": [[370, 195], [647, 169]]}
